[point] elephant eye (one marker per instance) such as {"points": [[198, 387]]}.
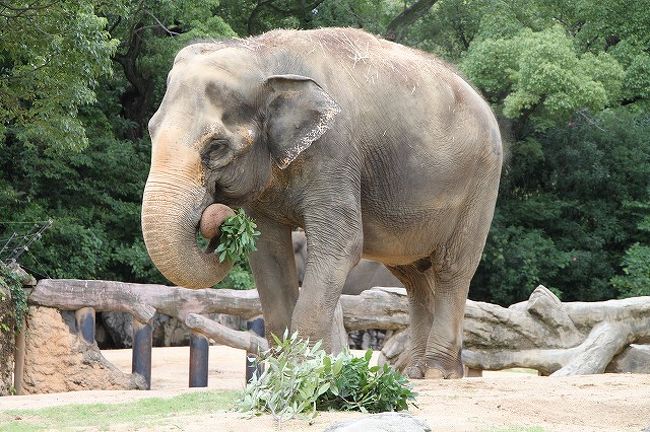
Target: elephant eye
{"points": [[217, 143], [215, 149]]}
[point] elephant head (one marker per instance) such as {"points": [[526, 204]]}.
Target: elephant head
{"points": [[224, 126]]}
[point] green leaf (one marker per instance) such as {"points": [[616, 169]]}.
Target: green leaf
{"points": [[237, 237]]}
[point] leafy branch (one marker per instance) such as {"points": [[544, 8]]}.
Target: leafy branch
{"points": [[238, 235]]}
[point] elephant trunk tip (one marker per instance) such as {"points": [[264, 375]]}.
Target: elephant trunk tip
{"points": [[211, 219], [170, 236]]}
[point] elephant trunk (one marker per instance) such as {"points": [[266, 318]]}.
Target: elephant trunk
{"points": [[171, 212]]}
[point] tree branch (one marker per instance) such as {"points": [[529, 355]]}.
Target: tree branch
{"points": [[253, 16], [397, 27], [169, 32]]}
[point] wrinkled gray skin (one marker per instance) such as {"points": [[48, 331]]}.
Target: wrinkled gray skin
{"points": [[365, 275], [375, 149]]}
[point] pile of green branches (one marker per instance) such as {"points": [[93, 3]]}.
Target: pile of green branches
{"points": [[303, 379]]}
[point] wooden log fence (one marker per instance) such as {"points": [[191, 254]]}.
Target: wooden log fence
{"points": [[142, 301], [553, 337], [542, 333]]}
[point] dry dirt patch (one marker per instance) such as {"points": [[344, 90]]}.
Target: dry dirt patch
{"points": [[499, 401]]}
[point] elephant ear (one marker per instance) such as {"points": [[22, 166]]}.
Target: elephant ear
{"points": [[299, 112]]}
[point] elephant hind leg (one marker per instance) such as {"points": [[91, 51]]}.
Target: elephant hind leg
{"points": [[444, 343], [452, 267], [421, 308], [436, 309]]}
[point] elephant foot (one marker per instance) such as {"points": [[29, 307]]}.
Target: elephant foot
{"points": [[421, 371], [414, 372], [434, 373]]}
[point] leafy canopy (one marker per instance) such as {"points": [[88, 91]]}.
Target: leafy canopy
{"points": [[568, 80], [47, 74]]}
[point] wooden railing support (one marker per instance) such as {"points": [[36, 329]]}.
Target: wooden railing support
{"points": [[199, 352], [141, 360], [19, 359]]}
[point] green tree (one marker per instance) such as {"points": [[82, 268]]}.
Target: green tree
{"points": [[635, 280], [46, 75], [93, 194], [565, 214], [568, 80]]}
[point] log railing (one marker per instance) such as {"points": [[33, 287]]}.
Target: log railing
{"points": [[553, 337], [542, 333], [85, 298]]}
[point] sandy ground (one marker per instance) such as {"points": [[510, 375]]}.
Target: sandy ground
{"points": [[499, 401]]}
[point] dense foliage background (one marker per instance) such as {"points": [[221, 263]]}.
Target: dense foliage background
{"points": [[569, 81]]}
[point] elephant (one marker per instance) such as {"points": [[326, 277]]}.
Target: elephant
{"points": [[365, 275], [376, 150]]}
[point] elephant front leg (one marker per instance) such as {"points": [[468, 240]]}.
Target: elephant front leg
{"points": [[275, 275], [334, 246]]}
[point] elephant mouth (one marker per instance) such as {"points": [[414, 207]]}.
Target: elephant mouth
{"points": [[212, 245]]}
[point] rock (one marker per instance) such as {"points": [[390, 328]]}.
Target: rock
{"points": [[384, 422], [118, 327], [633, 359], [365, 339], [57, 360], [166, 331], [25, 278], [6, 339]]}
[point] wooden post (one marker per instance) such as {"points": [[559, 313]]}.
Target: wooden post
{"points": [[199, 352], [141, 360], [252, 367], [85, 318], [19, 359]]}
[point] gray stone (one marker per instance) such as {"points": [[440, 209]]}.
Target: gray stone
{"points": [[384, 422]]}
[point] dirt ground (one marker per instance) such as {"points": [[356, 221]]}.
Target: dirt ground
{"points": [[499, 401]]}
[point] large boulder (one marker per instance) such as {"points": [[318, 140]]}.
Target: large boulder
{"points": [[366, 339], [166, 331], [58, 360]]}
